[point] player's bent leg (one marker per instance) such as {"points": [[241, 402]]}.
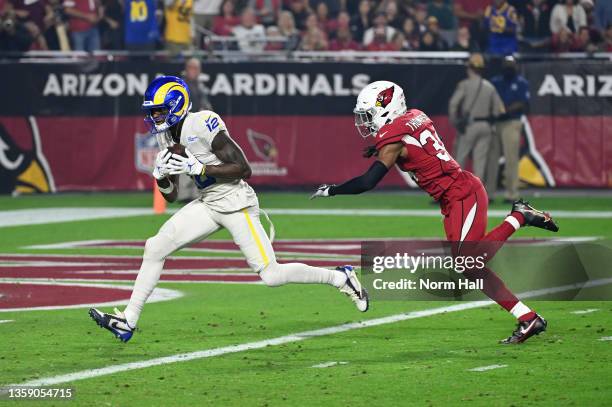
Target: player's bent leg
{"points": [[250, 236], [193, 222]]}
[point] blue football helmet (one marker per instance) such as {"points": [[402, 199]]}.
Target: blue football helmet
{"points": [[171, 94]]}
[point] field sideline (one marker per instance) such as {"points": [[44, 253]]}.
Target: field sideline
{"points": [[438, 358]]}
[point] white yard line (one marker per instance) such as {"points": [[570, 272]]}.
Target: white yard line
{"points": [[20, 217], [485, 368], [328, 364], [606, 338], [585, 311], [5, 321], [296, 337]]}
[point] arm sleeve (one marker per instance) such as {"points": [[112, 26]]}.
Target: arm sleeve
{"points": [[362, 183]]}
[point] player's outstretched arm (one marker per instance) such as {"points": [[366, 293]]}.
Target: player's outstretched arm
{"points": [[235, 164], [387, 156]]}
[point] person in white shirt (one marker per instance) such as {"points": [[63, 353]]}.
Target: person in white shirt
{"points": [[568, 16], [250, 35], [380, 22]]}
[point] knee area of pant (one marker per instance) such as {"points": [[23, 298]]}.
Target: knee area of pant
{"points": [[160, 245], [271, 275]]}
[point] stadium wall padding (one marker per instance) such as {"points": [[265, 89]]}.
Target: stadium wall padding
{"points": [[78, 125]]}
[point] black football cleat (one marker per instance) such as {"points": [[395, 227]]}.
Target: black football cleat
{"points": [[534, 217], [526, 330]]}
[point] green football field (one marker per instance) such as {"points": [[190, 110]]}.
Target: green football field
{"points": [[246, 344]]}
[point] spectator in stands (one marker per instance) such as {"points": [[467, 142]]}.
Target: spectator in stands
{"points": [[380, 41], [603, 15], [204, 12], [362, 21], [434, 28], [14, 35], [429, 42], [411, 33], [536, 19], [300, 10], [314, 39], [606, 45], [286, 28], [250, 35], [343, 40], [334, 6], [111, 27], [514, 92], [469, 12], [582, 41], [420, 17], [476, 98], [399, 43], [141, 31], [31, 13], [225, 23], [380, 26], [266, 10], [464, 41], [56, 32], [178, 30], [312, 22], [327, 24], [273, 44], [501, 21], [343, 21], [84, 16], [394, 17], [562, 41], [443, 13], [567, 15]]}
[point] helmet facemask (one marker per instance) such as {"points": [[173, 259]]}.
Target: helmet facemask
{"points": [[364, 121]]}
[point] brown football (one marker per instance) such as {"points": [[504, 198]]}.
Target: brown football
{"points": [[178, 149]]}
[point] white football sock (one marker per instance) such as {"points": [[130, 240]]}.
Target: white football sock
{"points": [[145, 283], [519, 310], [513, 221], [279, 274]]}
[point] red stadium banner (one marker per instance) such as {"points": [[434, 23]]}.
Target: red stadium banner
{"points": [[79, 127]]}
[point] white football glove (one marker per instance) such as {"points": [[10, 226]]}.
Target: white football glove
{"points": [[185, 165], [322, 191], [161, 169]]}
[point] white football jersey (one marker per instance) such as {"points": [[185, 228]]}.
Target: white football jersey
{"points": [[222, 195]]}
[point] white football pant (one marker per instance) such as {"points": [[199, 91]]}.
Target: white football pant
{"points": [[196, 221]]}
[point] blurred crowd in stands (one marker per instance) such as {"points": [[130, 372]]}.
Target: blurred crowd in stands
{"points": [[499, 27]]}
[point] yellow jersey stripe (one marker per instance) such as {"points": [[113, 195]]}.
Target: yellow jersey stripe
{"points": [[264, 256]]}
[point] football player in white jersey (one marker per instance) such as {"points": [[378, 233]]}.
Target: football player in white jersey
{"points": [[219, 169]]}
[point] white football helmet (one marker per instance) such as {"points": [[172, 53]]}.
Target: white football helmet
{"points": [[379, 103]]}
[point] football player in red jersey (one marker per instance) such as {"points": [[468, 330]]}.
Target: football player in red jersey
{"points": [[408, 138]]}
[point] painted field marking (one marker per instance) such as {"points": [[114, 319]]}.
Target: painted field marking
{"points": [[606, 338], [328, 364], [38, 216], [485, 368], [158, 294], [5, 321], [585, 311], [296, 337]]}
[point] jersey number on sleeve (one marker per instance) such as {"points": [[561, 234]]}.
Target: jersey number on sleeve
{"points": [[437, 144]]}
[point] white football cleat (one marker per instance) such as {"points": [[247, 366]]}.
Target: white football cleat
{"points": [[353, 288], [116, 323]]}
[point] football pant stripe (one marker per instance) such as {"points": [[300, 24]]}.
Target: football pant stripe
{"points": [[469, 220], [264, 256]]}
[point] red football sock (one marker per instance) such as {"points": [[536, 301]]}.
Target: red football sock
{"points": [[494, 287]]}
